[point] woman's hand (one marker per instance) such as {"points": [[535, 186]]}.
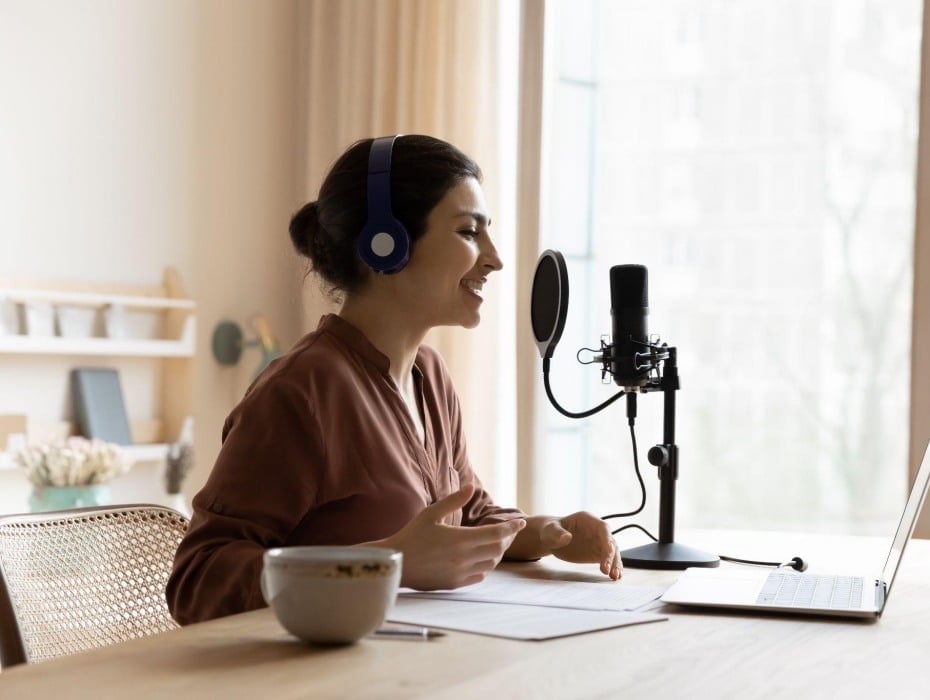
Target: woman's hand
{"points": [[579, 538], [445, 556]]}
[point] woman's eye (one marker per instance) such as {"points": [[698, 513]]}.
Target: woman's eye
{"points": [[470, 232]]}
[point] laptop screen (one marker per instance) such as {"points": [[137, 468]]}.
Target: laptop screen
{"points": [[908, 520]]}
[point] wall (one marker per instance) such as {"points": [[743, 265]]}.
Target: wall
{"points": [[247, 191], [137, 135]]}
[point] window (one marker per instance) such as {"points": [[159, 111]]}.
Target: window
{"points": [[759, 159]]}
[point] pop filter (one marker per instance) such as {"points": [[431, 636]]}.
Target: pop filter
{"points": [[549, 301]]}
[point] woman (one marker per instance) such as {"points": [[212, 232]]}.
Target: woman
{"points": [[355, 436]]}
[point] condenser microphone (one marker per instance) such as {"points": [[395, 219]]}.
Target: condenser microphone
{"points": [[549, 301], [629, 308]]}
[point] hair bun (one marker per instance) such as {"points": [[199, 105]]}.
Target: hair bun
{"points": [[305, 229]]}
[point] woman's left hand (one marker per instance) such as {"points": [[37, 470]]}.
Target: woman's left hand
{"points": [[582, 538]]}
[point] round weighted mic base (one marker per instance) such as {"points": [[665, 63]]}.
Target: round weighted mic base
{"points": [[667, 555]]}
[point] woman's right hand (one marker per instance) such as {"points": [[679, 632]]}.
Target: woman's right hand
{"points": [[438, 556]]}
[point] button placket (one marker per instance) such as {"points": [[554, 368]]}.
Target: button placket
{"points": [[421, 458]]}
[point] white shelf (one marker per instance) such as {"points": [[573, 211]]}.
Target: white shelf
{"points": [[138, 453], [152, 346], [94, 299], [147, 453], [56, 345]]}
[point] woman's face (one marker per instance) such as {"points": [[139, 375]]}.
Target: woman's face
{"points": [[452, 260]]}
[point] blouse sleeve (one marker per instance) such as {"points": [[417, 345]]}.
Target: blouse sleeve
{"points": [[260, 489]]}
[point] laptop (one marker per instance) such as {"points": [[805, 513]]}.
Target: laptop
{"points": [[789, 591]]}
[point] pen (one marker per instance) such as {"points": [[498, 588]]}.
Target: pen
{"points": [[413, 633]]}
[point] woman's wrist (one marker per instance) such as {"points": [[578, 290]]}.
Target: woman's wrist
{"points": [[528, 545]]}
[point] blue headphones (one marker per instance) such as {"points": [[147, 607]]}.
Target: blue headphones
{"points": [[383, 244]]}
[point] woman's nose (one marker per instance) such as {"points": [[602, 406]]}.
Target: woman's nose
{"points": [[490, 257]]}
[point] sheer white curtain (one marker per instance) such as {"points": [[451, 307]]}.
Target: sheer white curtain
{"points": [[538, 47], [376, 67]]}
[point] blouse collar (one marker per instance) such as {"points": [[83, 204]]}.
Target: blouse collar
{"points": [[358, 342]]}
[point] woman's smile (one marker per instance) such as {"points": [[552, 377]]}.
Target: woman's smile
{"points": [[474, 287]]}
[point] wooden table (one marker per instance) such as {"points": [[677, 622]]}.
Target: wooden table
{"points": [[692, 654]]}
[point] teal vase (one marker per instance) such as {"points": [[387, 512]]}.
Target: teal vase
{"points": [[46, 498]]}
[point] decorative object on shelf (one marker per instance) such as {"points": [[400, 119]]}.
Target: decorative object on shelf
{"points": [[12, 431], [76, 321], [73, 473], [179, 461], [9, 317], [178, 464], [99, 408], [46, 498], [114, 320], [228, 342], [39, 318]]}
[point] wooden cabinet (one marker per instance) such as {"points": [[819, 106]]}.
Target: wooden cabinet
{"points": [[146, 333]]}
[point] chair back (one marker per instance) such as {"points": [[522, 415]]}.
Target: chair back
{"points": [[77, 579]]}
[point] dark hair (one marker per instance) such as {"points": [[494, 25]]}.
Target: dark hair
{"points": [[423, 170]]}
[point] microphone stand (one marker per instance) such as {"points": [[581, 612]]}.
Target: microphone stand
{"points": [[666, 553]]}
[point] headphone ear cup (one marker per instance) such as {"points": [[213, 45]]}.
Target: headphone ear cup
{"points": [[384, 246]]}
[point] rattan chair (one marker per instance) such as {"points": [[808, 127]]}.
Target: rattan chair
{"points": [[77, 579]]}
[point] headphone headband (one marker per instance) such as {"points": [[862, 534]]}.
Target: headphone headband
{"points": [[383, 244], [379, 175]]}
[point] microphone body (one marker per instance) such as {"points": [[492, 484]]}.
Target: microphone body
{"points": [[629, 311]]}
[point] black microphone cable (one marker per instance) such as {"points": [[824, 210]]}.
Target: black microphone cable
{"points": [[796, 563], [631, 420]]}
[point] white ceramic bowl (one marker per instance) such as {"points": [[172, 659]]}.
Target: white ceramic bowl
{"points": [[331, 595]]}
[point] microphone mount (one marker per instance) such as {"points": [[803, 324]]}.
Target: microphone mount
{"points": [[666, 553], [654, 353], [661, 362]]}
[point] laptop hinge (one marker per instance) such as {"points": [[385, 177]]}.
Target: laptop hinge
{"points": [[880, 589]]}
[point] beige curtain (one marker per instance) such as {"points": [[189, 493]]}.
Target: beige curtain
{"points": [[377, 67], [529, 195]]}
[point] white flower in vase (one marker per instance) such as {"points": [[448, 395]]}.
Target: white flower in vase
{"points": [[75, 462]]}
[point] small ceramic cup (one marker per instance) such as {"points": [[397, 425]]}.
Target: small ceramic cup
{"points": [[331, 595]]}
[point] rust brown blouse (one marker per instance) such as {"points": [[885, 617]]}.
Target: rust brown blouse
{"points": [[321, 450]]}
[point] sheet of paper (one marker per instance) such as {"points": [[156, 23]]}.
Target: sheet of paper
{"points": [[504, 586], [512, 621]]}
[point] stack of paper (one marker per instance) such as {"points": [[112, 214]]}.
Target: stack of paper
{"points": [[507, 604]]}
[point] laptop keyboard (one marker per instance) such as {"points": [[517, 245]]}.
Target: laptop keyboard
{"points": [[797, 590]]}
